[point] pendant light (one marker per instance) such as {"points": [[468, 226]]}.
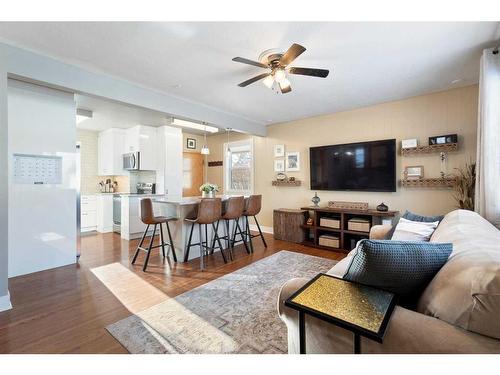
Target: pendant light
{"points": [[205, 150]]}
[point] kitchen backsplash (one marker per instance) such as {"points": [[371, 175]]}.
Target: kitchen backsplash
{"points": [[141, 176]]}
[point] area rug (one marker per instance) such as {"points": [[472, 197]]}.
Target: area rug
{"points": [[236, 313]]}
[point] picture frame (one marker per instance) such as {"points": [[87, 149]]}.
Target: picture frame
{"points": [[191, 144], [293, 161], [279, 165], [409, 143], [279, 151], [414, 172]]}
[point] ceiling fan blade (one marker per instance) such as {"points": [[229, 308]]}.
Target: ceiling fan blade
{"points": [[293, 52], [285, 90], [322, 73], [254, 79], [250, 62]]}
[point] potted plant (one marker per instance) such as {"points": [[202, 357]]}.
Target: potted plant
{"points": [[208, 190]]}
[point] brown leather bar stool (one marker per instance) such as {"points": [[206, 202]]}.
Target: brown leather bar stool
{"points": [[254, 205], [209, 213], [234, 211], [147, 217]]}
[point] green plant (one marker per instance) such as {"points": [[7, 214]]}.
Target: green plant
{"points": [[464, 186], [208, 187]]}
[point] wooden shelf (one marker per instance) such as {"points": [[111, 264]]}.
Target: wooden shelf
{"points": [[287, 183], [345, 236], [448, 147], [430, 182]]}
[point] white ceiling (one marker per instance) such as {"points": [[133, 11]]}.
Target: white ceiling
{"points": [[369, 62]]}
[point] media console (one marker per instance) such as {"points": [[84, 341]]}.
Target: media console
{"points": [[346, 238]]}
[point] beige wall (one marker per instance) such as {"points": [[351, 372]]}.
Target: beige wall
{"points": [[453, 111]]}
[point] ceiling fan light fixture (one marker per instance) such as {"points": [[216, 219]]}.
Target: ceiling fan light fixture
{"points": [[269, 81], [279, 75], [285, 83]]}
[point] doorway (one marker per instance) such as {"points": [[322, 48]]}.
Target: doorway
{"points": [[193, 168]]}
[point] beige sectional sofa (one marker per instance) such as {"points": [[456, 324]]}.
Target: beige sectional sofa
{"points": [[459, 311]]}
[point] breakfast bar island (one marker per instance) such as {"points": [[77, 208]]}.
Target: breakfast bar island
{"points": [[182, 209]]}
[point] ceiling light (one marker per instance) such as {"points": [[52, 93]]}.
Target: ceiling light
{"points": [[269, 81], [82, 115], [205, 150], [279, 75], [194, 125], [285, 83]]}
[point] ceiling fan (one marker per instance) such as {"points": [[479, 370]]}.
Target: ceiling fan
{"points": [[279, 63]]}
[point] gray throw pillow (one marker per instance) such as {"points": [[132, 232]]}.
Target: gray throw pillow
{"points": [[401, 267], [414, 217]]}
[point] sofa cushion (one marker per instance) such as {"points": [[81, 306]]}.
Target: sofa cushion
{"points": [[407, 230], [466, 291], [414, 217], [402, 267]]}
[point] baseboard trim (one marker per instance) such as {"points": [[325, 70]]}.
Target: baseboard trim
{"points": [[5, 302], [262, 228]]}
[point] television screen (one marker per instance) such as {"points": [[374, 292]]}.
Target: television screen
{"points": [[365, 166]]}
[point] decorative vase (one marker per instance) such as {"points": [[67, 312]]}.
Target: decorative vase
{"points": [[382, 207], [209, 194], [315, 200]]}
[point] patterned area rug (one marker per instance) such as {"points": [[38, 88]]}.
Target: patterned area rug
{"points": [[235, 313]]}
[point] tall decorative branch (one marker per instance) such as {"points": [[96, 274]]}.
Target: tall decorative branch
{"points": [[464, 186]]}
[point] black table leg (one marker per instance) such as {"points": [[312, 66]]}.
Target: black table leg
{"points": [[302, 333], [357, 344]]}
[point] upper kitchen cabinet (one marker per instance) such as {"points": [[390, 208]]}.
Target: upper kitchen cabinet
{"points": [[111, 147], [142, 139]]}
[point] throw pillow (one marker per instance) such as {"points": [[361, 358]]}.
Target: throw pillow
{"points": [[401, 267], [407, 230], [414, 217]]}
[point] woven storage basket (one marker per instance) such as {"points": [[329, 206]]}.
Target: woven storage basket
{"points": [[358, 224], [330, 241]]}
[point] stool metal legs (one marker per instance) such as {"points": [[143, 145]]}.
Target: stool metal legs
{"points": [[151, 247]]}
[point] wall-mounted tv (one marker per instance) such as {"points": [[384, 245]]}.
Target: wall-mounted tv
{"points": [[364, 166]]}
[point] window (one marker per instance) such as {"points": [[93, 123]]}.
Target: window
{"points": [[238, 167]]}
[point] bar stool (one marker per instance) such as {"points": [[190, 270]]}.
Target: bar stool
{"points": [[209, 213], [254, 206], [234, 211], [147, 217]]}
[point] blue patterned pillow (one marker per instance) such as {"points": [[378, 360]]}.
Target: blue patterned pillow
{"points": [[414, 217], [401, 267]]}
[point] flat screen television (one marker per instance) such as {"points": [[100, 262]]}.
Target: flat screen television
{"points": [[364, 166]]}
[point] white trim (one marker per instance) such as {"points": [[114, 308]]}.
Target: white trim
{"points": [[263, 229], [226, 164], [5, 302]]}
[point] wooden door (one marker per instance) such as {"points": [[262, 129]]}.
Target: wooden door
{"points": [[192, 169]]}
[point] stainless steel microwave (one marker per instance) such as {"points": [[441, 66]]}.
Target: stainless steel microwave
{"points": [[131, 161]]}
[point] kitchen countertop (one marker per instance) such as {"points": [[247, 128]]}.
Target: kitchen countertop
{"points": [[189, 200], [140, 195]]}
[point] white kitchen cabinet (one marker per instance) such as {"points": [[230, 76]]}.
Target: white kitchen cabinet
{"points": [[110, 152], [142, 139], [169, 161], [88, 216], [104, 211]]}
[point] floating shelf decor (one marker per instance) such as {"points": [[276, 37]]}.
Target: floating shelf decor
{"points": [[439, 182], [287, 183], [447, 147]]}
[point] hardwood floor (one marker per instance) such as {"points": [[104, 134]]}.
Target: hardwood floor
{"points": [[66, 310]]}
